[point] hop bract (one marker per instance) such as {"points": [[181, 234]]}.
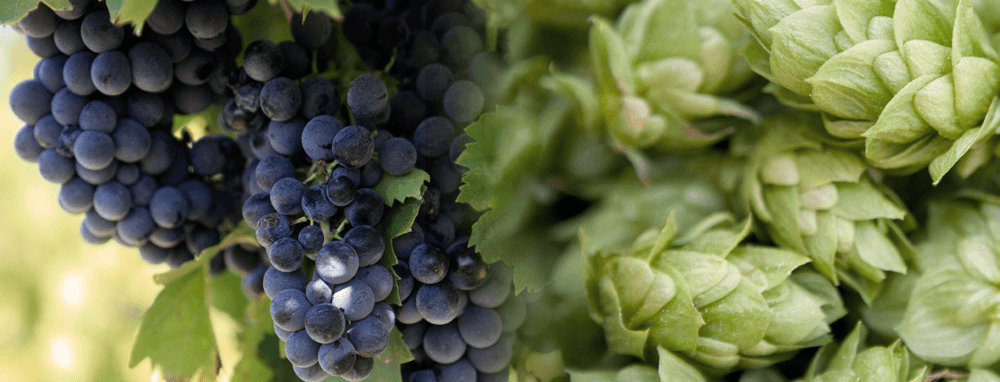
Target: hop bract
{"points": [[664, 66], [705, 295], [820, 201], [851, 360], [951, 315], [917, 81]]}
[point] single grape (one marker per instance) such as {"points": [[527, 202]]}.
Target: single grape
{"points": [[367, 96], [25, 144], [111, 73], [480, 327], [338, 357], [369, 336], [262, 60], [313, 373], [433, 81], [301, 350], [206, 19], [355, 299], [143, 189], [378, 279], [433, 136], [398, 156], [46, 132], [98, 116], [152, 70], [112, 201], [276, 281], [312, 31], [340, 190], [492, 359], [154, 254], [43, 47], [76, 10], [458, 371], [361, 370], [289, 308], [76, 73], [312, 239], [463, 101], [50, 72], [271, 228], [133, 143], [439, 303], [76, 196], [495, 291], [281, 333], [201, 239], [296, 60], [351, 173], [285, 137], [325, 323], [171, 237], [280, 99], [286, 254], [286, 196], [273, 168], [256, 207], [408, 313], [207, 156], [136, 226], [404, 244], [167, 17], [428, 264], [30, 101], [169, 207], [240, 259], [99, 34], [316, 205], [319, 292], [337, 262], [443, 343], [248, 97], [413, 335], [368, 243], [317, 137], [366, 209], [177, 45]]}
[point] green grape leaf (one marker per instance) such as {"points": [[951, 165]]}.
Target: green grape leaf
{"points": [[395, 222], [329, 7], [13, 10], [227, 295], [397, 188], [176, 332], [132, 12]]}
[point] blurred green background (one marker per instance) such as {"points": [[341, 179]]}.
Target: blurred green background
{"points": [[68, 310]]}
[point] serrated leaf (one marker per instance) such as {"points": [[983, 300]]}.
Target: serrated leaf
{"points": [[396, 188], [395, 222], [672, 368], [176, 332], [132, 12], [12, 11]]}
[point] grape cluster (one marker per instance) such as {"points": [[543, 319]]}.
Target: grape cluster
{"points": [[99, 114]]}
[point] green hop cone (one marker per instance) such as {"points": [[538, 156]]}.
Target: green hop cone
{"points": [[952, 317], [915, 79], [851, 360], [821, 202], [665, 67], [704, 295]]}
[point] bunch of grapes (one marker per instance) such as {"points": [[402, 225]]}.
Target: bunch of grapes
{"points": [[99, 114]]}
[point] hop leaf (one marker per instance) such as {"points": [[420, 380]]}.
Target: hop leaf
{"points": [[916, 81]]}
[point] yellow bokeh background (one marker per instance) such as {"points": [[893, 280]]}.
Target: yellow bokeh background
{"points": [[68, 310]]}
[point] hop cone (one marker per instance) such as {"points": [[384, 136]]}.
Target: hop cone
{"points": [[915, 79], [664, 66], [704, 295], [821, 202], [851, 360], [951, 318]]}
